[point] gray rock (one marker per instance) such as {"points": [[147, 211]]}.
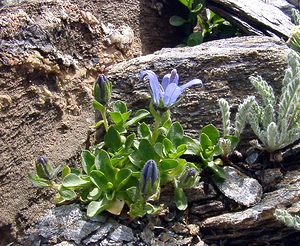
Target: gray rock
{"points": [[99, 235], [254, 17], [198, 193], [270, 177], [283, 5], [67, 222], [254, 217], [121, 233], [71, 224], [223, 65], [209, 208], [239, 187]]}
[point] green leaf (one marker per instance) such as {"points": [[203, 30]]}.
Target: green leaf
{"points": [[185, 2], [132, 193], [96, 207], [126, 115], [168, 164], [110, 194], [147, 151], [144, 130], [75, 171], [233, 140], [99, 179], [176, 134], [139, 115], [120, 107], [179, 151], [137, 209], [159, 149], [193, 145], [168, 146], [112, 139], [74, 181], [180, 199], [177, 20], [217, 170], [58, 199], [212, 132], [116, 118], [65, 171], [197, 9], [66, 194], [194, 39], [135, 159], [94, 194], [87, 161], [129, 141], [103, 163], [205, 142], [98, 106], [151, 209], [122, 177], [39, 182]]}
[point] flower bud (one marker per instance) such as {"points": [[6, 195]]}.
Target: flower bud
{"points": [[102, 90], [188, 178], [149, 178], [43, 168]]}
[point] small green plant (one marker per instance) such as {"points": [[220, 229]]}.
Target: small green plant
{"points": [[128, 167], [294, 39], [201, 24], [288, 219], [231, 132], [277, 124]]}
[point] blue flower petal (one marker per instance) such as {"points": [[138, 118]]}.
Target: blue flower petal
{"points": [[171, 94], [174, 78], [166, 81], [154, 84], [191, 83]]}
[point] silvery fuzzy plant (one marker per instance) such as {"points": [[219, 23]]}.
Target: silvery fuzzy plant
{"points": [[277, 122], [288, 219], [232, 131]]}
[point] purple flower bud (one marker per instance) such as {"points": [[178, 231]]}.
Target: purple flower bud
{"points": [[102, 89], [190, 173], [43, 168], [188, 178], [42, 160], [149, 176]]}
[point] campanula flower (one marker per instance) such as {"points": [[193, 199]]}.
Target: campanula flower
{"points": [[167, 93], [102, 90], [149, 178]]}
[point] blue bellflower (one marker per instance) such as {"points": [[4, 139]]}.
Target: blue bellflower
{"points": [[168, 91]]}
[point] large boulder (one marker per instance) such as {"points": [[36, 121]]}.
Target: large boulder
{"points": [[224, 66]]}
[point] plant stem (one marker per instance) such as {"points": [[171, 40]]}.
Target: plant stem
{"points": [[155, 130], [104, 118]]}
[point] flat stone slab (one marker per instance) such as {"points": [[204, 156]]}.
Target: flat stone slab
{"points": [[240, 188], [224, 66], [254, 17]]}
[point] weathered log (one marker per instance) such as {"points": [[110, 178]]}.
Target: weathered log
{"points": [[254, 17]]}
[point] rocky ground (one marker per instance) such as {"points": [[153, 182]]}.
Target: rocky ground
{"points": [[51, 53]]}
